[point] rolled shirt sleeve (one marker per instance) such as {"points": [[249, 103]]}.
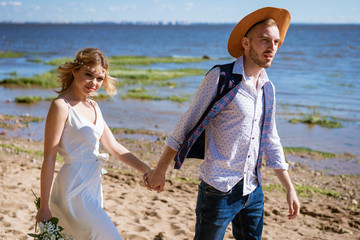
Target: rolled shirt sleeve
{"points": [[204, 95]]}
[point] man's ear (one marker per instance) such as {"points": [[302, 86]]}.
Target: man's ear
{"points": [[245, 42]]}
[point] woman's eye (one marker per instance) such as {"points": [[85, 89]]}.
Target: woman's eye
{"points": [[88, 74]]}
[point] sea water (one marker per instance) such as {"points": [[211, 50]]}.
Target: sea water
{"points": [[316, 71]]}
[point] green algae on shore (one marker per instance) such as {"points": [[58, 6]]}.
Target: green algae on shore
{"points": [[307, 152], [59, 61], [144, 60], [45, 80], [35, 60], [28, 99], [101, 97], [142, 94], [36, 99], [126, 76], [120, 61], [306, 191], [316, 120], [17, 150], [36, 153], [309, 191], [10, 54], [145, 96], [131, 76], [11, 122], [137, 131]]}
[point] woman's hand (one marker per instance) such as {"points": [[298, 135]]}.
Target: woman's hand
{"points": [[43, 215]]}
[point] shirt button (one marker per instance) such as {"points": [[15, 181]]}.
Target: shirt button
{"points": [[252, 138], [248, 156]]}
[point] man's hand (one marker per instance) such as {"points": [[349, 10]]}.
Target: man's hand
{"points": [[294, 204], [155, 180], [291, 197]]}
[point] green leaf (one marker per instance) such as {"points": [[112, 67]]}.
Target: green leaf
{"points": [[37, 200], [33, 235], [54, 220]]}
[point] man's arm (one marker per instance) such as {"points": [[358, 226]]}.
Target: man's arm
{"points": [[155, 179], [291, 198], [203, 97]]}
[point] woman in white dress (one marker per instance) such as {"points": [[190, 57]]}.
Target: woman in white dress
{"points": [[74, 129]]}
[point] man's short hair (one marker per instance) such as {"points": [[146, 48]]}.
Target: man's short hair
{"points": [[267, 22]]}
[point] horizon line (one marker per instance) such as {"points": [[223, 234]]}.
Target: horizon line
{"points": [[162, 23]]}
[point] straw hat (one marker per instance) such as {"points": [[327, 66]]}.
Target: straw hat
{"points": [[280, 15]]}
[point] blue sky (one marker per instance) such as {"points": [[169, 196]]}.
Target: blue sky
{"points": [[204, 11]]}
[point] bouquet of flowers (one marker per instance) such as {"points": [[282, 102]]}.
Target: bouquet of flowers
{"points": [[49, 230]]}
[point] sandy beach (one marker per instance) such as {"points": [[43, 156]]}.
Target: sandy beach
{"points": [[330, 204]]}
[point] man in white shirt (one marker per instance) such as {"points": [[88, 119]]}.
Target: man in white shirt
{"points": [[230, 188]]}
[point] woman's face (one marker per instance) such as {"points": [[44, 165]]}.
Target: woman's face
{"points": [[89, 80]]}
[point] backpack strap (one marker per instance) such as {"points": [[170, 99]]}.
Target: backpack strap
{"points": [[194, 144]]}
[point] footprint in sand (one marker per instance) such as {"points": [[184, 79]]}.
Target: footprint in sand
{"points": [[152, 214], [133, 237], [141, 229], [6, 224]]}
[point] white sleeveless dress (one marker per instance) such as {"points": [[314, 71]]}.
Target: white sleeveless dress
{"points": [[76, 197]]}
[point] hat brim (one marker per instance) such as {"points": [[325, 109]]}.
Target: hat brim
{"points": [[280, 15]]}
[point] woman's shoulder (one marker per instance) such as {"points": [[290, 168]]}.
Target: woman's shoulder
{"points": [[59, 104]]}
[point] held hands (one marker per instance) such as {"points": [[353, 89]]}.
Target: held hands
{"points": [[154, 180]]}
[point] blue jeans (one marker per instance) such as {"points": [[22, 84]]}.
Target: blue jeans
{"points": [[216, 209]]}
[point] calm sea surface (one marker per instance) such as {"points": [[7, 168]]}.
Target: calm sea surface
{"points": [[316, 71]]}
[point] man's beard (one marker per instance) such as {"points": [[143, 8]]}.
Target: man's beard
{"points": [[256, 59]]}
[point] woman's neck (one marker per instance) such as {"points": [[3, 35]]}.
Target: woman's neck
{"points": [[72, 95]]}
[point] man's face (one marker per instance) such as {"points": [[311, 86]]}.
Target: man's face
{"points": [[264, 42]]}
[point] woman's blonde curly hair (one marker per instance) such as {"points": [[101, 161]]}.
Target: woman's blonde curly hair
{"points": [[88, 57]]}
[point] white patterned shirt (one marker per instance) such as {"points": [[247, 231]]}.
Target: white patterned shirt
{"points": [[233, 138]]}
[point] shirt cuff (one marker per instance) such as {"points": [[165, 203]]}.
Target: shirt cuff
{"points": [[284, 166], [171, 142], [277, 161]]}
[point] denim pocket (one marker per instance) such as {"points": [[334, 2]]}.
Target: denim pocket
{"points": [[211, 191]]}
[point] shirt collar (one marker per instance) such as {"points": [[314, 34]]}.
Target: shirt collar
{"points": [[239, 69]]}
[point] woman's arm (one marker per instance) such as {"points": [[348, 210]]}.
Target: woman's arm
{"points": [[120, 152], [54, 126]]}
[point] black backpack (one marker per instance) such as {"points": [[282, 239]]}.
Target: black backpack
{"points": [[227, 81]]}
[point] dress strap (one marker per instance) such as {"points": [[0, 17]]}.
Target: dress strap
{"points": [[62, 98]]}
